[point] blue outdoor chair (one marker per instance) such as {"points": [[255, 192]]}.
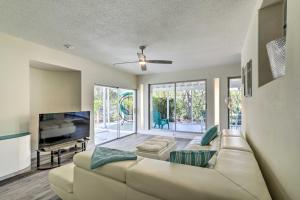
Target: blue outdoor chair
{"points": [[158, 121]]}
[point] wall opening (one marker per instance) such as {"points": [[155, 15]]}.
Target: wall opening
{"points": [[217, 100], [53, 89], [271, 27], [235, 103]]}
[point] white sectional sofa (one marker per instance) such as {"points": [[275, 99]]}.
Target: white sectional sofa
{"points": [[234, 175]]}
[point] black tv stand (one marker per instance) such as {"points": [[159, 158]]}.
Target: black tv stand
{"points": [[57, 151]]}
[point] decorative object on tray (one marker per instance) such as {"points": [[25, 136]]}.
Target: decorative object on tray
{"points": [[277, 51], [244, 80], [277, 56]]}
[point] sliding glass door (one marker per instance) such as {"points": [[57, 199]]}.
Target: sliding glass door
{"points": [[114, 113], [235, 103], [179, 106], [191, 106]]}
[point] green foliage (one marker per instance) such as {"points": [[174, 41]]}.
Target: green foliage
{"points": [[235, 110], [113, 102], [98, 103], [128, 104], [160, 105], [190, 104]]}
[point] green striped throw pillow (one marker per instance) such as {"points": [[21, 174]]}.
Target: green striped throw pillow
{"points": [[189, 157]]}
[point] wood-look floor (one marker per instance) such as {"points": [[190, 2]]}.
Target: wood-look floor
{"points": [[34, 185]]}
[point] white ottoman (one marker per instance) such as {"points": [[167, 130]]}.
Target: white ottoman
{"points": [[158, 147]]}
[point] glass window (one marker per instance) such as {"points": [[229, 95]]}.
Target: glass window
{"points": [[178, 106], [235, 103]]}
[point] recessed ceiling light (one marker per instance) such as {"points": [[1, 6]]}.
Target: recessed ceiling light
{"points": [[68, 46]]}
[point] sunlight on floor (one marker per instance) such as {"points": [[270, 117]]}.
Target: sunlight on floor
{"points": [[169, 133]]}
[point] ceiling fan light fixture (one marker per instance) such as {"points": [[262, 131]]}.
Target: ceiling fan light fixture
{"points": [[142, 61], [144, 68]]}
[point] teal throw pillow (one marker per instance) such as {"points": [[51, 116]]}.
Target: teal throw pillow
{"points": [[209, 135]]}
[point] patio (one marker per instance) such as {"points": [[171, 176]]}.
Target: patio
{"points": [[184, 130], [110, 132], [188, 127]]}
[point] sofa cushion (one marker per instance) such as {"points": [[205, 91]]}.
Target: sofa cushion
{"points": [[231, 133], [172, 181], [197, 147], [241, 167], [189, 157], [195, 144], [115, 170], [235, 143], [62, 177], [209, 135], [197, 139]]}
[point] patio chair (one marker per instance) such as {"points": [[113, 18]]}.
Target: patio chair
{"points": [[158, 121]]}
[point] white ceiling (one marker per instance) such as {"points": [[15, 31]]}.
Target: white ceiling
{"points": [[192, 33]]}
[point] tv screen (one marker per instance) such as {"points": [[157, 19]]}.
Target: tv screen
{"points": [[57, 128]]}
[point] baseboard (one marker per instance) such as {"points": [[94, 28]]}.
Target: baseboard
{"points": [[27, 169]]}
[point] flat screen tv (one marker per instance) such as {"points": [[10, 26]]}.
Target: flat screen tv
{"points": [[58, 128]]}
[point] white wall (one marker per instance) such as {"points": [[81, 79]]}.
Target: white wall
{"points": [[14, 155], [209, 73], [15, 56], [272, 114], [50, 92]]}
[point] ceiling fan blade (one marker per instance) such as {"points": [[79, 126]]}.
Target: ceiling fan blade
{"points": [[125, 62], [160, 61], [144, 67]]}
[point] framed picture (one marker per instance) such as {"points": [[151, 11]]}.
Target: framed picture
{"points": [[248, 79], [243, 81]]}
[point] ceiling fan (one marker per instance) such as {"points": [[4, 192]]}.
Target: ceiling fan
{"points": [[143, 61]]}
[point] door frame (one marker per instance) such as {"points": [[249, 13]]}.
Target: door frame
{"points": [[228, 91], [175, 82], [118, 125]]}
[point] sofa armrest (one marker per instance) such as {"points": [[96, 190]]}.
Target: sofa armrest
{"points": [[242, 168]]}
